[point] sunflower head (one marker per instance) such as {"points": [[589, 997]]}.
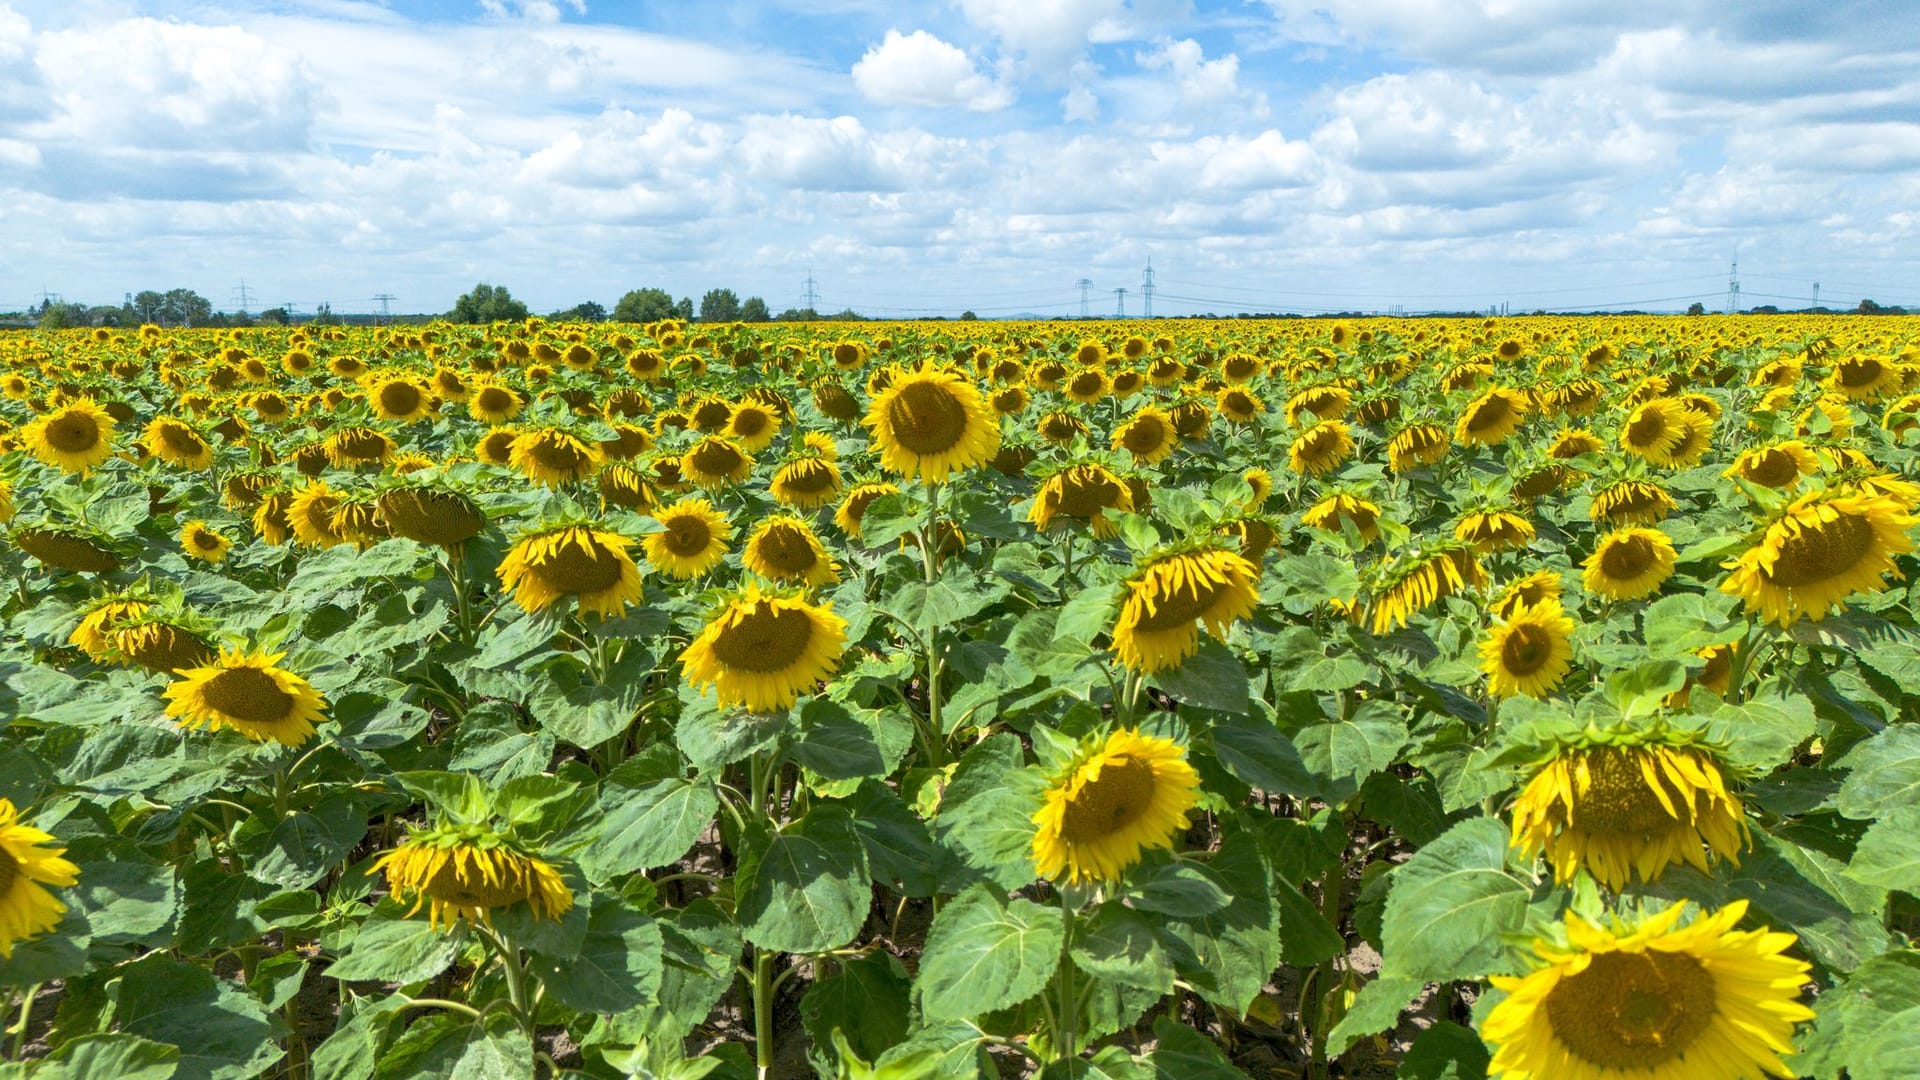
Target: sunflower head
{"points": [[715, 462], [74, 437], [1489, 419], [177, 442], [1321, 448], [1081, 492], [161, 643], [250, 693], [1819, 551], [1119, 797], [67, 547], [201, 541], [761, 649], [552, 456], [1171, 596], [94, 635], [1148, 436], [577, 560], [469, 870], [807, 482], [431, 515], [28, 864], [1528, 651], [931, 423], [692, 538]]}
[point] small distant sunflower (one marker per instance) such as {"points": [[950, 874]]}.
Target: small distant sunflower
{"points": [[1148, 436], [1087, 385], [1631, 502], [177, 443], [692, 541], [1172, 596], [1490, 418], [491, 403], [1643, 1001], [250, 693], [496, 446], [1531, 591], [1084, 492], [467, 871], [1240, 368], [94, 635], [762, 649], [552, 456], [160, 644], [629, 442], [1324, 402], [1629, 564], [932, 423], [200, 541], [784, 549], [1011, 400], [1528, 652], [28, 864], [272, 518], [585, 562], [1494, 530], [1061, 428], [74, 438], [1574, 442], [428, 515], [1120, 797], [1823, 548], [621, 484], [752, 426], [1780, 465], [1417, 444], [1321, 449], [806, 483], [855, 504], [1335, 511], [715, 462], [1412, 583], [1238, 405], [1863, 378]]}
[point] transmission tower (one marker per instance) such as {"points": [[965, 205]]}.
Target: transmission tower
{"points": [[812, 295], [384, 299], [1733, 287], [1146, 290], [244, 295], [1085, 284], [1120, 303]]}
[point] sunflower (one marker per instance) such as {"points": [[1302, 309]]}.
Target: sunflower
{"points": [[399, 397], [715, 462], [73, 438], [1321, 449], [496, 446], [629, 442], [311, 514], [1417, 444], [94, 635], [1412, 583], [1240, 368], [1087, 385], [931, 423], [1628, 808], [763, 648], [1780, 465], [1531, 591], [428, 515], [1148, 436], [1644, 1001], [587, 563], [552, 456], [1528, 652], [1084, 492], [200, 541], [250, 693], [1238, 405], [1336, 511], [855, 504], [1863, 378], [1324, 402], [272, 519], [1631, 502], [621, 484], [752, 426], [692, 540], [784, 549], [1191, 419], [1169, 599], [159, 645], [806, 483], [1696, 438], [177, 443], [465, 871], [67, 548], [1490, 418], [1629, 564], [1061, 428], [1010, 400], [354, 446], [1494, 530], [1822, 549], [27, 866], [1129, 793], [491, 403], [1654, 429]]}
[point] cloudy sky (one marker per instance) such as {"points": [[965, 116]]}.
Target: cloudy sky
{"points": [[1297, 155]]}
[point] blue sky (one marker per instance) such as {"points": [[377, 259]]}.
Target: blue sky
{"points": [[1299, 155]]}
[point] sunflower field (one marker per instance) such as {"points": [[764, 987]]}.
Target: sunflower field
{"points": [[1523, 698]]}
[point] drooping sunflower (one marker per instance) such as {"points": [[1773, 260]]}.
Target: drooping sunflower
{"points": [[1528, 652], [1642, 1000], [251, 694], [1631, 502], [1490, 418], [272, 519], [311, 514], [74, 438], [1530, 591], [357, 446], [1083, 492], [1148, 436], [175, 442], [1491, 530], [806, 483], [1627, 805], [1172, 596], [1863, 378], [692, 541], [67, 547], [585, 562], [784, 549], [1340, 509], [1321, 448], [1411, 583], [28, 864], [931, 423], [467, 871], [1417, 444], [94, 635], [1780, 465], [1120, 797], [1573, 442], [1629, 564], [855, 504], [1324, 402], [621, 484], [430, 515], [629, 442], [1822, 549], [200, 541], [553, 456], [1061, 428], [763, 649], [160, 644], [715, 462], [1260, 483]]}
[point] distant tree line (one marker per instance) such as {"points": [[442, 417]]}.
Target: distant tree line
{"points": [[488, 303]]}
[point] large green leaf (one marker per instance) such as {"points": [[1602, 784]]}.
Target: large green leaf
{"points": [[1450, 905], [1866, 1025], [1121, 945], [867, 1000], [119, 1056], [984, 953], [1228, 954], [809, 890], [1886, 773], [986, 814], [617, 967], [392, 948], [1888, 855], [222, 1033], [648, 826]]}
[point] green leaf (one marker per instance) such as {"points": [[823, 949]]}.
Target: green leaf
{"points": [[1888, 854], [618, 965], [1181, 1053], [867, 1001], [1121, 945], [1762, 734], [648, 826], [1446, 1051], [568, 704], [1306, 937], [122, 1057], [393, 949], [983, 954], [352, 1050], [1679, 626], [1376, 1008], [1300, 662], [833, 743], [1353, 749], [809, 890], [986, 815], [701, 948], [900, 849], [1229, 953], [713, 737], [1858, 1025], [958, 594], [222, 1033], [1642, 690], [1180, 888], [305, 845], [126, 900], [1450, 905], [1262, 757], [1886, 773], [1210, 679], [492, 1048]]}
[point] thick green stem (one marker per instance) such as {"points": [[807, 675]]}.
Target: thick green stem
{"points": [[19, 1029], [1741, 663], [1066, 994], [763, 1011], [930, 564]]}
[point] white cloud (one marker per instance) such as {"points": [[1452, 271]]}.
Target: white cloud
{"points": [[920, 69], [1199, 82]]}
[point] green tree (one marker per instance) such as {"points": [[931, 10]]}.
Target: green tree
{"points": [[684, 309], [754, 310], [275, 316], [1696, 308], [487, 304], [149, 306], [644, 306], [61, 316], [719, 305], [184, 307], [586, 311], [324, 316]]}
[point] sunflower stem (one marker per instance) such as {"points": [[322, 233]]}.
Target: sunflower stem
{"points": [[1742, 662], [929, 562], [1065, 993], [763, 1011], [19, 1029]]}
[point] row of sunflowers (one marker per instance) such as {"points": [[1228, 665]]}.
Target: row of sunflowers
{"points": [[1520, 698]]}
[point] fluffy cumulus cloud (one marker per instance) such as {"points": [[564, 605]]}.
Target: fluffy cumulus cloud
{"points": [[920, 69], [1405, 151]]}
